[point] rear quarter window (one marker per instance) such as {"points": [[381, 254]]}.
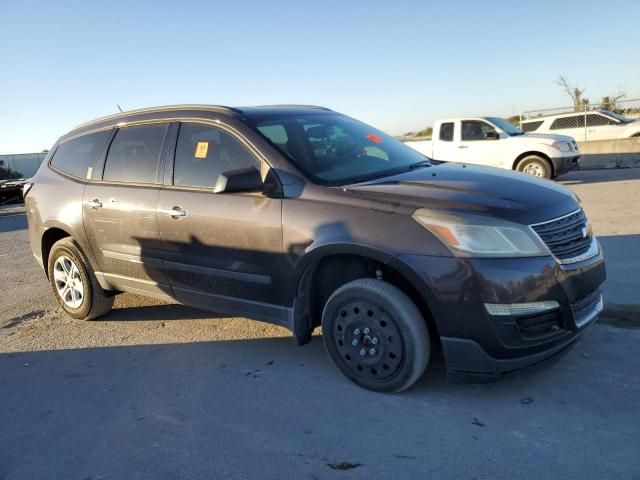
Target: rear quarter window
{"points": [[574, 121], [446, 132], [531, 126], [78, 157]]}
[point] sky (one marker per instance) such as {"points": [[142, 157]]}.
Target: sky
{"points": [[397, 65]]}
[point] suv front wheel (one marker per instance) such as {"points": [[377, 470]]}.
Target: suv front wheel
{"points": [[376, 335], [74, 283]]}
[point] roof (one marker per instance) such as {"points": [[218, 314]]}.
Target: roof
{"points": [[257, 110], [564, 114]]}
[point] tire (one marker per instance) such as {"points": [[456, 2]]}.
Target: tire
{"points": [[396, 345], [536, 166], [69, 267]]}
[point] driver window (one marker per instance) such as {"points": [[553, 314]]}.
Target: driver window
{"points": [[203, 152], [475, 130]]}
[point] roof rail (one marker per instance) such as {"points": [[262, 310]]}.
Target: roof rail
{"points": [[115, 116], [287, 105]]}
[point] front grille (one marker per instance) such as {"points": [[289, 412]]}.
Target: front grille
{"points": [[586, 308], [539, 326], [567, 237]]}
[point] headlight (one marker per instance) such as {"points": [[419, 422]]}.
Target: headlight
{"points": [[562, 146], [476, 236]]}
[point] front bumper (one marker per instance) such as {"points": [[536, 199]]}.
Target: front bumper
{"points": [[564, 164], [479, 347]]}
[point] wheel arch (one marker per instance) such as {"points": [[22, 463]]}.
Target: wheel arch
{"points": [[537, 153], [327, 268], [49, 238]]}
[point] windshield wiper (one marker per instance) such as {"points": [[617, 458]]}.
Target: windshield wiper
{"points": [[421, 164]]}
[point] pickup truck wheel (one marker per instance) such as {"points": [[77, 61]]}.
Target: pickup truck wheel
{"points": [[376, 335], [74, 283], [535, 165]]}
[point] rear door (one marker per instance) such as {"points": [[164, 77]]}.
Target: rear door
{"points": [[571, 125], [119, 209], [221, 251], [445, 148]]}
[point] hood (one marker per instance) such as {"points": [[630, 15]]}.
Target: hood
{"points": [[492, 192], [547, 137], [632, 126]]}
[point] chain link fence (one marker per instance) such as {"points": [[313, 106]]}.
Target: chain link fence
{"points": [[628, 108]]}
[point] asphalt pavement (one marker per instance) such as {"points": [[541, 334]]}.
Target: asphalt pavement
{"points": [[165, 391]]}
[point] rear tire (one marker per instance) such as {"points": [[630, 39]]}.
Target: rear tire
{"points": [[376, 335], [74, 283], [536, 166]]}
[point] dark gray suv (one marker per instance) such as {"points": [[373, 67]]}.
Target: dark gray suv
{"points": [[303, 217]]}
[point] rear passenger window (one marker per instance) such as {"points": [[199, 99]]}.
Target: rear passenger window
{"points": [[204, 152], [575, 121], [134, 153], [446, 132], [78, 157]]}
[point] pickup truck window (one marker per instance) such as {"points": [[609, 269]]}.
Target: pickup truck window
{"points": [[475, 130], [446, 132], [505, 126]]}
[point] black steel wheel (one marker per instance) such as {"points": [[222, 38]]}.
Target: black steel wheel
{"points": [[376, 335]]}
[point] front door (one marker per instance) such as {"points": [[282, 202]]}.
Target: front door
{"points": [[221, 251], [476, 148], [120, 214], [601, 127]]}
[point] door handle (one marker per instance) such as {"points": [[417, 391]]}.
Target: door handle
{"points": [[175, 212], [463, 146], [95, 204]]}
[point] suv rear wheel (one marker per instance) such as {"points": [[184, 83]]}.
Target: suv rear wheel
{"points": [[74, 283], [535, 165], [376, 335]]}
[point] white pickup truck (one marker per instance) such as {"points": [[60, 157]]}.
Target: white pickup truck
{"points": [[494, 142]]}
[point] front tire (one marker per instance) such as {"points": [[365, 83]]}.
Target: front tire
{"points": [[535, 166], [74, 283], [376, 335]]}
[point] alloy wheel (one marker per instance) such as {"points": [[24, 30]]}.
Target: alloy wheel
{"points": [[68, 282]]}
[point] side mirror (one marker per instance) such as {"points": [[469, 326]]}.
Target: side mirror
{"points": [[246, 179], [491, 135]]}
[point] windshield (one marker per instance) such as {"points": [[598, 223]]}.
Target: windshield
{"points": [[617, 116], [505, 126], [332, 149]]}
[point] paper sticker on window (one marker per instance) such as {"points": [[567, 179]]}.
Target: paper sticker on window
{"points": [[374, 138], [201, 149], [89, 172]]}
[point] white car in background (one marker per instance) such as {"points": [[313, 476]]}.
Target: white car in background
{"points": [[494, 142], [585, 126]]}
